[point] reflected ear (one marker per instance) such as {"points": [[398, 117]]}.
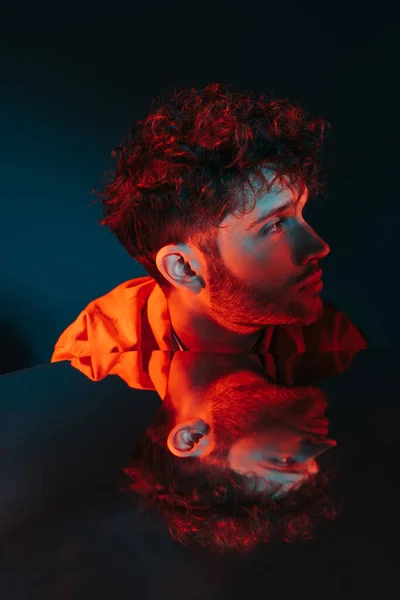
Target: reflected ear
{"points": [[190, 439]]}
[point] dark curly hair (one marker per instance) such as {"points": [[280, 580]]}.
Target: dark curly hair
{"points": [[212, 506], [178, 173]]}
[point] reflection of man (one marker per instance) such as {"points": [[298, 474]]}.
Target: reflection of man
{"points": [[214, 157], [233, 440]]}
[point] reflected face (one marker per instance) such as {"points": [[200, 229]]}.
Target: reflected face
{"points": [[263, 264], [230, 415], [273, 432], [283, 458]]}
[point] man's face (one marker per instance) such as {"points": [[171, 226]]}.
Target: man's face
{"points": [[257, 281], [272, 431], [245, 421]]}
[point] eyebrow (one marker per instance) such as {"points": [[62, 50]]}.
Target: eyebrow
{"points": [[277, 210]]}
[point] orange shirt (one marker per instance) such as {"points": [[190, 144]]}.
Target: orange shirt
{"points": [[135, 316]]}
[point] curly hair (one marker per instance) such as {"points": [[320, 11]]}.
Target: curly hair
{"points": [[179, 170], [217, 508]]}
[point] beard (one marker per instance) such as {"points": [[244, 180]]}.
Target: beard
{"points": [[239, 306], [242, 408]]}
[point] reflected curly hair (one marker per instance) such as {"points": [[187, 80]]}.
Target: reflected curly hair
{"points": [[215, 507], [179, 171]]}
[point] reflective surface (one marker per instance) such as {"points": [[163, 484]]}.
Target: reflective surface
{"points": [[256, 476]]}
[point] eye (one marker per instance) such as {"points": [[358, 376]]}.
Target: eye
{"points": [[269, 230], [282, 460]]}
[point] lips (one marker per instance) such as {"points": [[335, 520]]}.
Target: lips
{"points": [[314, 279]]}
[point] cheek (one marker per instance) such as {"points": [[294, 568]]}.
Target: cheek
{"points": [[262, 270], [240, 256], [276, 262], [258, 263]]}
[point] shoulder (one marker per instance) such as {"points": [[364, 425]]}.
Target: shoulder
{"points": [[103, 326], [335, 331]]}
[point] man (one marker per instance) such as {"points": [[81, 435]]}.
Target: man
{"points": [[225, 439], [267, 257], [208, 196], [242, 421]]}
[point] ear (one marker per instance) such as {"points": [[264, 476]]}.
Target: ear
{"points": [[178, 264], [191, 438]]}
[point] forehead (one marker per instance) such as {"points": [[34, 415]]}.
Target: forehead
{"points": [[264, 192], [264, 179]]}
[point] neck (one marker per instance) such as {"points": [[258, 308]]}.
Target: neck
{"points": [[198, 333]]}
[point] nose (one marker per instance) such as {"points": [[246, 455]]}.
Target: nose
{"points": [[313, 448], [311, 246], [285, 485]]}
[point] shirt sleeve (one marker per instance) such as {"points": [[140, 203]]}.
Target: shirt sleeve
{"points": [[74, 341]]}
